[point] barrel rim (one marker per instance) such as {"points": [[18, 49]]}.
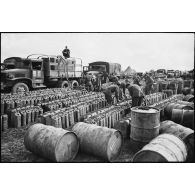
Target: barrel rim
{"points": [[119, 151], [141, 151], [136, 107], [59, 140]]}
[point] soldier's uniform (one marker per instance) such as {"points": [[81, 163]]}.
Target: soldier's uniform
{"points": [[149, 85], [123, 87], [105, 77], [108, 93], [88, 82], [136, 94], [137, 80]]}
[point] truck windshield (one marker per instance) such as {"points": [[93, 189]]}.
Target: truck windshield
{"points": [[97, 68], [161, 71], [13, 63]]}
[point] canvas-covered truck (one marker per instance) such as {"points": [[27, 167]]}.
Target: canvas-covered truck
{"points": [[40, 71], [100, 67]]}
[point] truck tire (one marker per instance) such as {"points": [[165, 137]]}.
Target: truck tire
{"points": [[63, 84], [75, 84], [16, 88]]}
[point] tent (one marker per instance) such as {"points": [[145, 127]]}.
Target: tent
{"points": [[129, 71]]}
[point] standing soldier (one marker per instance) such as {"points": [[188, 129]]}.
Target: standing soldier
{"points": [[136, 80], [136, 93], [149, 84], [108, 93], [105, 77], [122, 88], [88, 83], [66, 53]]}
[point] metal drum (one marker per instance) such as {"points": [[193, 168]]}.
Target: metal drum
{"points": [[99, 141], [183, 117], [56, 144], [145, 123], [186, 134], [164, 148]]}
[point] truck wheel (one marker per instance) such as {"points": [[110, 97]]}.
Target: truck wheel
{"points": [[63, 84], [20, 87], [75, 84]]}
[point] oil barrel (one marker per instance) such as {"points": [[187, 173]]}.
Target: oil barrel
{"points": [[164, 148], [99, 141], [56, 144]]}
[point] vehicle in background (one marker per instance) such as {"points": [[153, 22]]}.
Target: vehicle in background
{"points": [[40, 71], [177, 73], [140, 74], [100, 67], [170, 73], [160, 73]]}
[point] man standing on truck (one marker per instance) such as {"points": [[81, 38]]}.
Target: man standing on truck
{"points": [[136, 93], [108, 93], [66, 53]]}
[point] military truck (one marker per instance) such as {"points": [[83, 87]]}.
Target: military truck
{"points": [[40, 71], [99, 67], [161, 73]]}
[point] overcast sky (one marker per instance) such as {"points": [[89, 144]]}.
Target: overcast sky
{"points": [[141, 51]]}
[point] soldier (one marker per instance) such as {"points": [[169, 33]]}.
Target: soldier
{"points": [[136, 80], [114, 78], [149, 84], [108, 93], [136, 93], [122, 87], [88, 83], [66, 52], [105, 77]]}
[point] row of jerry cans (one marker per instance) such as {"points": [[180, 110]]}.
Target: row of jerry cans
{"points": [[4, 122], [107, 119], [7, 104], [161, 104], [153, 98], [66, 117], [24, 116], [42, 93], [58, 104]]}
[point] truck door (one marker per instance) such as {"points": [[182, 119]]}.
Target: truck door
{"points": [[37, 71]]}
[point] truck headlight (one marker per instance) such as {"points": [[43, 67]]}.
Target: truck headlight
{"points": [[10, 76]]}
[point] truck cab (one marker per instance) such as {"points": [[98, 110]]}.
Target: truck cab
{"points": [[21, 73]]}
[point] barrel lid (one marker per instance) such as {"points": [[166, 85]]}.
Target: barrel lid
{"points": [[144, 109]]}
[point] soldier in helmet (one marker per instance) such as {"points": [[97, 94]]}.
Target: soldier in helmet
{"points": [[108, 93], [149, 84], [66, 53], [136, 93], [88, 82], [136, 80]]}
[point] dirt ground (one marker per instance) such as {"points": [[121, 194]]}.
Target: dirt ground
{"points": [[13, 149]]}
